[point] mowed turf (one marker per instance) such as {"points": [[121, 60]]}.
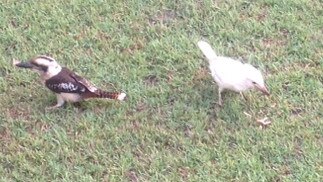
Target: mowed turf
{"points": [[170, 127]]}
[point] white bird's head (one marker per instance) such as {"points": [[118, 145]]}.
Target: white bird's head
{"points": [[255, 79], [44, 65]]}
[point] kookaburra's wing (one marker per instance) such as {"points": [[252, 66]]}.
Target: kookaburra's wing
{"points": [[66, 82], [84, 82]]}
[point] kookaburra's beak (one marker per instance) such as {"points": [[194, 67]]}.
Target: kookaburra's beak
{"points": [[25, 65], [263, 89]]}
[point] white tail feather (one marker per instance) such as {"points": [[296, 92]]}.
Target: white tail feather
{"points": [[207, 50], [121, 96]]}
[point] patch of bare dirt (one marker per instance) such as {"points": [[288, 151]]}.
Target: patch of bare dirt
{"points": [[188, 131], [277, 42], [298, 148], [163, 17], [134, 47], [201, 74], [297, 111], [141, 107], [5, 134], [132, 176], [151, 80], [270, 42], [262, 15], [170, 76], [16, 113], [184, 172], [103, 36], [291, 67]]}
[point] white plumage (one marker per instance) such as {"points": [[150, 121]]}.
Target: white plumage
{"points": [[232, 74]]}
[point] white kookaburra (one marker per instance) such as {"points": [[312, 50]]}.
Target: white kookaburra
{"points": [[67, 85], [232, 74]]}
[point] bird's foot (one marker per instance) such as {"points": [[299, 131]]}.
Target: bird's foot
{"points": [[243, 96], [77, 104], [79, 107], [220, 97], [60, 102], [220, 103]]}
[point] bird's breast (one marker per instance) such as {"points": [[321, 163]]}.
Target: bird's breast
{"points": [[71, 97]]}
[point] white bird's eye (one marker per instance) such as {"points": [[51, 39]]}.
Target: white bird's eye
{"points": [[254, 83]]}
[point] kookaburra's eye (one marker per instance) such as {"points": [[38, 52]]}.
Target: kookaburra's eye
{"points": [[44, 68], [253, 82], [41, 67]]}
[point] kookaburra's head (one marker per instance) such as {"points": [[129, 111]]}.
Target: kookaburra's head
{"points": [[44, 65]]}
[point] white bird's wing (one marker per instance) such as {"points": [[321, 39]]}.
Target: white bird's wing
{"points": [[228, 73]]}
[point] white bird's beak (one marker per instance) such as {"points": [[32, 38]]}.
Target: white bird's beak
{"points": [[263, 89]]}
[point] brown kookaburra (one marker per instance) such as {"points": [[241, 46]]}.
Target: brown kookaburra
{"points": [[68, 86]]}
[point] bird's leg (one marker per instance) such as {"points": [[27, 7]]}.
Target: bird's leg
{"points": [[60, 102], [77, 104], [245, 98], [219, 95]]}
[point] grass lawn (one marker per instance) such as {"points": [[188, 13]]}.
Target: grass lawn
{"points": [[170, 128]]}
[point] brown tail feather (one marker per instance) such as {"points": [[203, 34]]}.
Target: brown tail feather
{"points": [[103, 94]]}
